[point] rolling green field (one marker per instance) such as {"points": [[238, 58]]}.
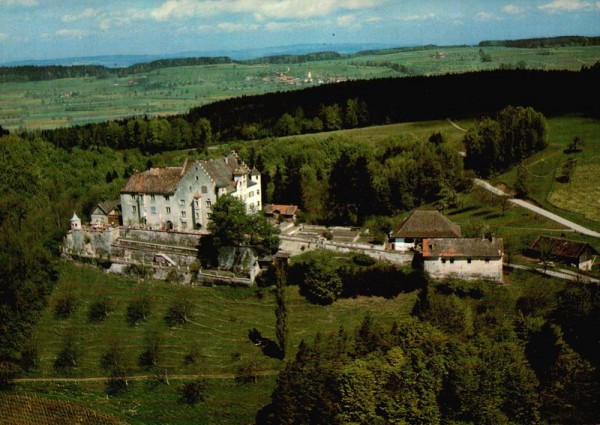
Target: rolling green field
{"points": [[218, 327], [577, 200], [50, 104]]}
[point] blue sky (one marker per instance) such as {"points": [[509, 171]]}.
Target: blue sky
{"points": [[40, 29]]}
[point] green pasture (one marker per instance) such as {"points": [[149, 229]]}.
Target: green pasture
{"points": [[56, 103], [218, 326], [577, 200]]}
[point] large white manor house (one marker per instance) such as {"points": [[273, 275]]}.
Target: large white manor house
{"points": [[181, 198]]}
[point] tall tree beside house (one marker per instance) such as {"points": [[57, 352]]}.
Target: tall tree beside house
{"points": [[281, 311], [202, 134], [231, 225]]}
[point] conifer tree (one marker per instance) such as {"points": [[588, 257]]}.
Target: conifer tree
{"points": [[281, 312]]}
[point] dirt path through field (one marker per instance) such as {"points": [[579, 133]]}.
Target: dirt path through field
{"points": [[456, 126], [143, 377], [538, 210]]}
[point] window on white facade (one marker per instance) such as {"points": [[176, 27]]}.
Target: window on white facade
{"points": [[197, 178], [258, 192], [153, 210], [443, 261], [258, 203], [182, 214], [182, 202], [190, 188], [208, 203], [168, 210], [167, 198], [152, 198], [452, 261], [134, 208], [469, 260], [487, 260], [204, 189], [209, 215]]}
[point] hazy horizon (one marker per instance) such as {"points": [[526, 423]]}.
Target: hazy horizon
{"points": [[48, 29]]}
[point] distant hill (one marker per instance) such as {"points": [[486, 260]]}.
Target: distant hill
{"points": [[562, 41], [124, 61]]}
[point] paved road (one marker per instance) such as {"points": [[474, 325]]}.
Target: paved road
{"points": [[567, 274], [567, 223]]}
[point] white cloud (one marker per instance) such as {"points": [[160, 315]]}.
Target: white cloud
{"points": [[21, 3], [261, 9], [87, 13], [410, 18], [565, 6], [3, 37], [121, 18], [286, 26], [483, 16], [236, 27], [71, 33], [511, 9], [346, 21]]}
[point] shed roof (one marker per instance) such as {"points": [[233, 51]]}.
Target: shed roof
{"points": [[427, 224], [562, 247], [463, 247]]}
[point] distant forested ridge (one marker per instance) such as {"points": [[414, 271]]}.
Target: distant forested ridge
{"points": [[24, 73], [532, 43], [343, 105], [54, 72]]}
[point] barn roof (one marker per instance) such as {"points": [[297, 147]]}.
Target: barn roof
{"points": [[427, 224], [154, 181], [562, 247], [462, 247]]}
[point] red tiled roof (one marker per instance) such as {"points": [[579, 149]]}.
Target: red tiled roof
{"points": [[287, 210]]}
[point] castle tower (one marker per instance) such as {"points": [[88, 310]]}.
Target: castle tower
{"points": [[75, 222]]}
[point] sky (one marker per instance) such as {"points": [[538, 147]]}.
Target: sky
{"points": [[46, 29]]}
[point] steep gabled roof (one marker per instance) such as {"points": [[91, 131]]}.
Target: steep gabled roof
{"points": [[562, 247], [219, 172], [107, 206], [462, 247], [427, 224], [154, 181]]}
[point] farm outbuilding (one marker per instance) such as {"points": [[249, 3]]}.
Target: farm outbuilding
{"points": [[579, 254], [423, 224]]}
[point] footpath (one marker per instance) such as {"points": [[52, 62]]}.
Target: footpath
{"points": [[567, 223]]}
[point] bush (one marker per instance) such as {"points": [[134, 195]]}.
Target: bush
{"points": [[179, 311], [247, 374], [99, 309], [65, 306], [321, 284], [70, 354], [138, 309], [363, 260], [193, 392]]}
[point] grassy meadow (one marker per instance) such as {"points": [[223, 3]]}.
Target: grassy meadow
{"points": [[579, 199], [56, 103], [218, 329]]}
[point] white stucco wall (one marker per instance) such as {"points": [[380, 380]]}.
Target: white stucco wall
{"points": [[462, 269]]}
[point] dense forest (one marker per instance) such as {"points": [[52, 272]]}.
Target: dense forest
{"points": [[343, 105], [534, 43], [472, 354]]}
